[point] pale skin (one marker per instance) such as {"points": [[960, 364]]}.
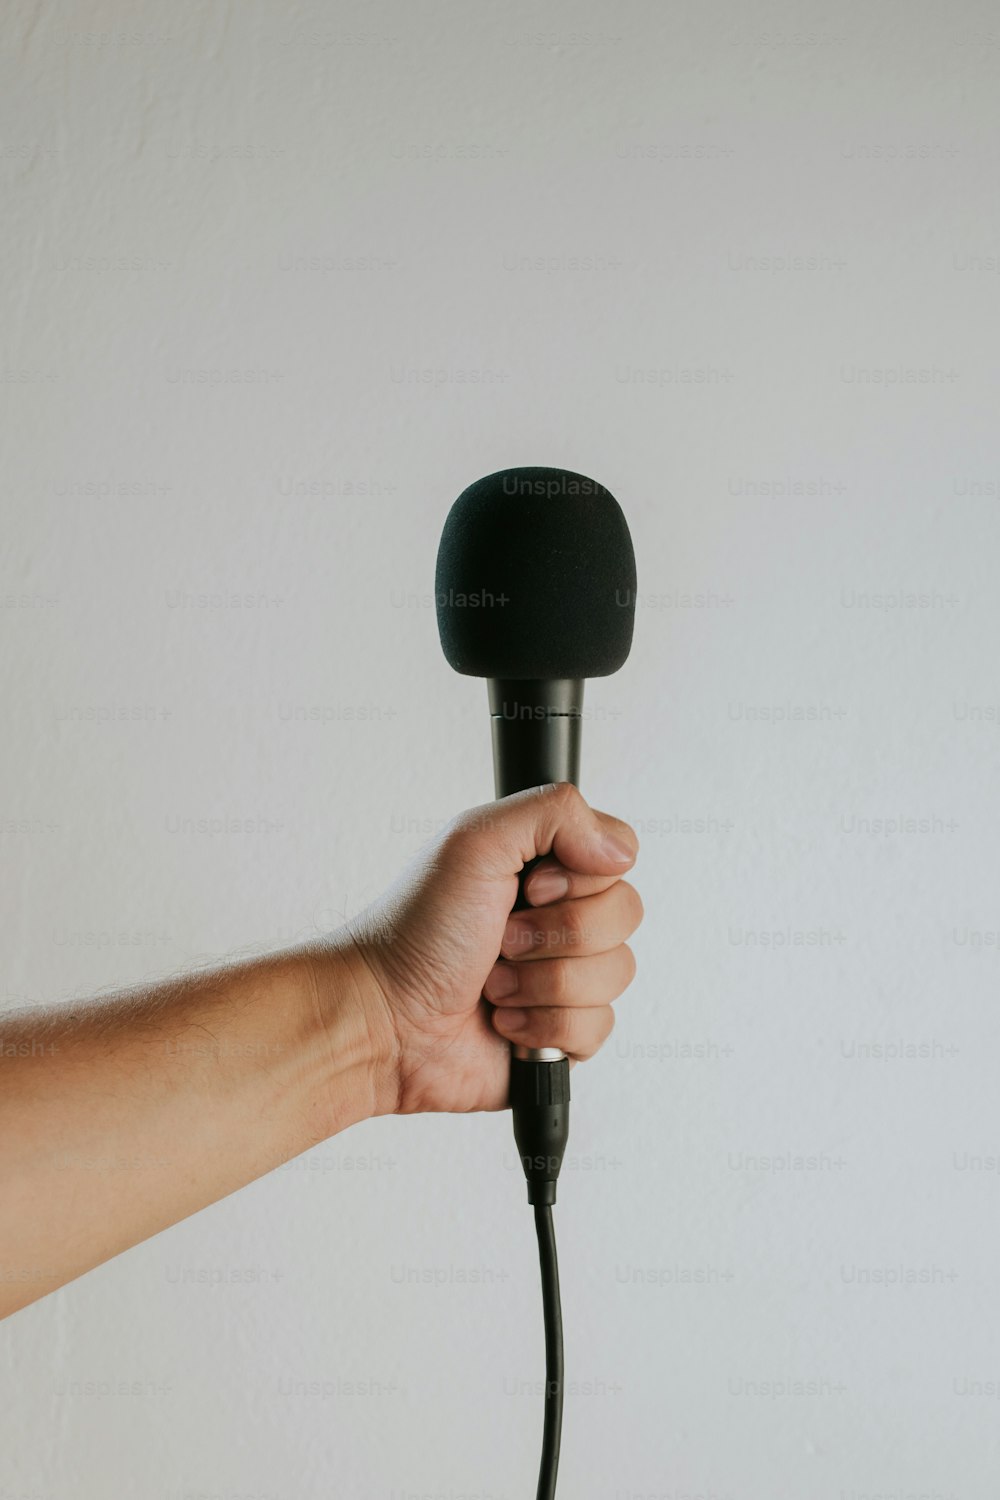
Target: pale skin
{"points": [[122, 1116]]}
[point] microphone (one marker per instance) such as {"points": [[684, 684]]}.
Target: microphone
{"points": [[535, 591]]}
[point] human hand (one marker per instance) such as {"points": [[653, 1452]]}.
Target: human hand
{"points": [[213, 1079], [430, 947]]}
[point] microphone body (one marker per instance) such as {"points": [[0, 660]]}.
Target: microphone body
{"points": [[535, 591], [536, 741]]}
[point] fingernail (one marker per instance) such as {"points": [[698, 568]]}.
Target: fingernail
{"points": [[517, 935], [511, 1020], [547, 885], [616, 850], [503, 979]]}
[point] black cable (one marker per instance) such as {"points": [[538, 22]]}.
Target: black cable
{"points": [[554, 1370], [539, 1100]]}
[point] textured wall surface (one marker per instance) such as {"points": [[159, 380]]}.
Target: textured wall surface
{"points": [[278, 281]]}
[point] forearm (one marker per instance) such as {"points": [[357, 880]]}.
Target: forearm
{"points": [[121, 1116]]}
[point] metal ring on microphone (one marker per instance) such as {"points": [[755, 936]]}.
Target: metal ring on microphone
{"points": [[539, 1054]]}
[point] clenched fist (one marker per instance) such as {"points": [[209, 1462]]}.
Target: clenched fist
{"points": [[455, 975]]}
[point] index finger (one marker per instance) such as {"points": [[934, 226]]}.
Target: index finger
{"points": [[508, 834]]}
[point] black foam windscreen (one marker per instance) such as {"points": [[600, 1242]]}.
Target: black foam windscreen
{"points": [[535, 577]]}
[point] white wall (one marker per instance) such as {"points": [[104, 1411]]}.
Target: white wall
{"points": [[564, 209]]}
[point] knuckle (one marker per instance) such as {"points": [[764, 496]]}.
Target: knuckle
{"points": [[452, 837], [557, 981], [572, 930], [457, 831], [470, 830], [565, 1026], [552, 1027], [565, 796]]}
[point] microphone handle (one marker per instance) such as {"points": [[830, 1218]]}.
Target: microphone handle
{"points": [[536, 740], [536, 726]]}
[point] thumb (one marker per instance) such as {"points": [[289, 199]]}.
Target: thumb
{"points": [[502, 837]]}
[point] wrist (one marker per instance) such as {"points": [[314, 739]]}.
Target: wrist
{"points": [[354, 1035]]}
